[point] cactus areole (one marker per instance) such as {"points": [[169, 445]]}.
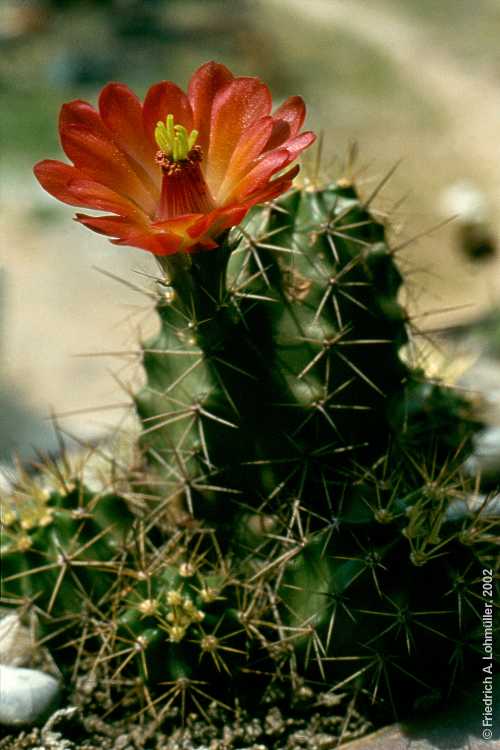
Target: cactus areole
{"points": [[179, 169]]}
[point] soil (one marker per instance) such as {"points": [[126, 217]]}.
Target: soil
{"points": [[314, 722]]}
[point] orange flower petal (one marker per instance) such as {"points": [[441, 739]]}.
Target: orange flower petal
{"points": [[82, 113], [250, 145], [270, 163], [121, 113], [123, 231], [164, 99], [158, 244], [204, 85], [90, 146], [296, 145], [217, 221], [184, 228], [258, 177], [274, 188], [179, 225], [119, 227], [196, 229], [288, 119], [236, 106], [70, 185]]}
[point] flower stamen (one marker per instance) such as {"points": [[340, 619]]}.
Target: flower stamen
{"points": [[173, 140], [172, 166], [184, 190]]}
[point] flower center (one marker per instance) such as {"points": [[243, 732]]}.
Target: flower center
{"points": [[184, 190], [173, 140]]}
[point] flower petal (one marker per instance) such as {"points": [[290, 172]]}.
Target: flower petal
{"points": [[112, 226], [90, 146], [181, 227], [288, 119], [236, 106], [270, 163], [70, 185], [258, 177], [296, 145], [250, 145], [121, 113], [204, 85], [273, 189], [162, 99], [178, 225], [217, 221], [123, 231]]}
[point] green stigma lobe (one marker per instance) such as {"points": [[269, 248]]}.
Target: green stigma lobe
{"points": [[174, 140]]}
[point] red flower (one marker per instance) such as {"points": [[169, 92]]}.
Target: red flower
{"points": [[177, 170]]}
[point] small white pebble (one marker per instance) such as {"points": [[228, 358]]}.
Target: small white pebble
{"points": [[27, 696]]}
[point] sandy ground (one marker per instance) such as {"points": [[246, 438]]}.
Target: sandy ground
{"points": [[60, 319]]}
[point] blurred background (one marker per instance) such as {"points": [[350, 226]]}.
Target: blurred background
{"points": [[414, 81]]}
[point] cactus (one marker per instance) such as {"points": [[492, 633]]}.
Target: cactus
{"points": [[60, 544], [303, 518], [298, 511], [277, 372], [277, 407]]}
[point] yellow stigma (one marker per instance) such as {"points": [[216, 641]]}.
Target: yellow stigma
{"points": [[174, 140]]}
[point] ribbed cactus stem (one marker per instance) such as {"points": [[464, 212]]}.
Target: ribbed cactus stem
{"points": [[198, 280], [297, 485]]}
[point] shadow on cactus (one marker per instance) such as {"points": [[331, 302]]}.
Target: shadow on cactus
{"points": [[300, 513]]}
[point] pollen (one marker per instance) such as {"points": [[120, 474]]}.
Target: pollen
{"points": [[174, 140]]}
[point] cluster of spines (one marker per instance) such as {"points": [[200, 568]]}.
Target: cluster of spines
{"points": [[163, 621], [357, 598]]}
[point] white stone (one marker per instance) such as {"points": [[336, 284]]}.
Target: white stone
{"points": [[27, 696]]}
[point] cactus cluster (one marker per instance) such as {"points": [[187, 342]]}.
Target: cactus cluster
{"points": [[300, 513]]}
